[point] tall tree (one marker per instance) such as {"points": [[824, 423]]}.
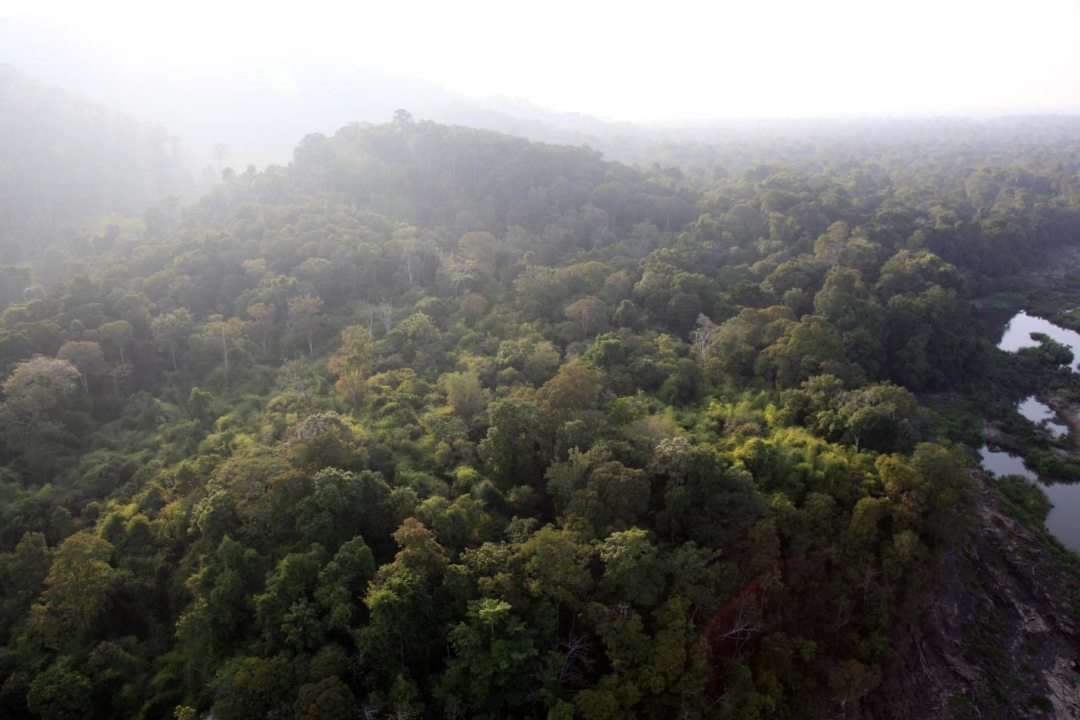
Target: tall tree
{"points": [[171, 330], [76, 588], [304, 318], [86, 356]]}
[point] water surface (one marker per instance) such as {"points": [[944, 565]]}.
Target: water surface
{"points": [[1040, 413], [1063, 522], [1005, 463], [1017, 335], [1064, 519]]}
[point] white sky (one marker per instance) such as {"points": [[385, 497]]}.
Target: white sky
{"points": [[670, 60]]}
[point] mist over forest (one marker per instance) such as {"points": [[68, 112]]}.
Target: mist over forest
{"points": [[329, 392]]}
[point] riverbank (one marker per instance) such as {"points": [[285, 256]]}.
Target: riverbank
{"points": [[1068, 411], [1064, 448], [998, 635], [1050, 289]]}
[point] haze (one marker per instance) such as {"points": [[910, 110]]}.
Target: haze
{"points": [[551, 360], [260, 78]]}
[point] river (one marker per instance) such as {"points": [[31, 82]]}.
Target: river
{"points": [[1064, 519]]}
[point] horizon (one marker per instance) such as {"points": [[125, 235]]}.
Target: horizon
{"points": [[548, 362], [819, 63]]}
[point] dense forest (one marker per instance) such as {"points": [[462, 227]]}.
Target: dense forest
{"points": [[67, 162], [440, 422]]}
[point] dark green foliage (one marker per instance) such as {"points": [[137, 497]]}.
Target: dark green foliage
{"points": [[1025, 500], [438, 422], [60, 694]]}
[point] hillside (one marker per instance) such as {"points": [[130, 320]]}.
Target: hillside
{"points": [[440, 422], [67, 161]]}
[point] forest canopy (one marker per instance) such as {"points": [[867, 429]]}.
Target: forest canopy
{"points": [[440, 422]]}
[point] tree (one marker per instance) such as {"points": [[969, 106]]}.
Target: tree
{"points": [[614, 498], [418, 340], [386, 314], [224, 335], [851, 680], [342, 504], [553, 568], [328, 699], [352, 364], [491, 650], [60, 694], [171, 330], [76, 588], [86, 356], [705, 338], [344, 579], [200, 405], [252, 687], [22, 574], [36, 389], [117, 373], [515, 444], [40, 381], [632, 570], [574, 389], [303, 319], [399, 607], [949, 491], [482, 250], [262, 322], [808, 347], [464, 394], [284, 609], [420, 552], [590, 313], [120, 334], [324, 440], [880, 417]]}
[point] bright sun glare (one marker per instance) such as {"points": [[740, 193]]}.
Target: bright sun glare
{"points": [[683, 60]]}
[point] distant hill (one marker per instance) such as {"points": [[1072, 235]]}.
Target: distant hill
{"points": [[66, 159]]}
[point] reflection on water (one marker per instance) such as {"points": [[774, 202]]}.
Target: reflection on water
{"points": [[1064, 519], [1018, 335], [1004, 463], [1038, 412]]}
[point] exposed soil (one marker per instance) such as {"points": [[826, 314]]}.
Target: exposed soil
{"points": [[997, 437], [998, 636]]}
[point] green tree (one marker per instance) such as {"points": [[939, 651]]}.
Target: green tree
{"points": [[343, 581], [60, 694], [328, 699], [515, 445], [342, 504], [303, 319], [120, 334], [590, 313], [492, 648], [22, 575], [171, 330], [464, 394], [352, 364], [76, 588], [252, 687]]}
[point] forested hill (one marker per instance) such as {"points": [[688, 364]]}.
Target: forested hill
{"points": [[436, 422], [66, 162]]}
